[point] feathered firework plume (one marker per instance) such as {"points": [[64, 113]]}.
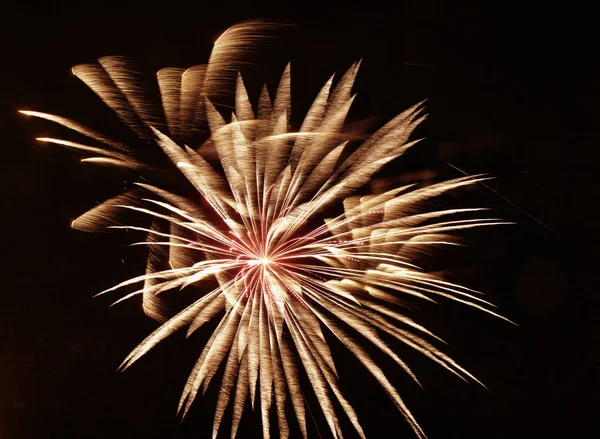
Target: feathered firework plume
{"points": [[290, 274]]}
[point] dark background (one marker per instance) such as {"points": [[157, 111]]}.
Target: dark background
{"points": [[512, 91]]}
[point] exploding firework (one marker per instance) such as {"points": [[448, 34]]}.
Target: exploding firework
{"points": [[289, 273]]}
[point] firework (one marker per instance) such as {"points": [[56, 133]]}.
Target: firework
{"points": [[296, 257]]}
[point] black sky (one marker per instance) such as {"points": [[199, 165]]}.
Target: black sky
{"points": [[512, 91]]}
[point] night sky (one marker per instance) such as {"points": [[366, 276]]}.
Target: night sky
{"points": [[512, 91]]}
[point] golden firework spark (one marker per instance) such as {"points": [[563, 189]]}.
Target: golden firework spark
{"points": [[286, 273]]}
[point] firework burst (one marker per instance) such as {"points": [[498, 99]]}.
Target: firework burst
{"points": [[286, 272]]}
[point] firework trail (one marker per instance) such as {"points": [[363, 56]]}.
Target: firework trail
{"points": [[287, 274]]}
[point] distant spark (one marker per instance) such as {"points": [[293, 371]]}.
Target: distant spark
{"points": [[508, 201]]}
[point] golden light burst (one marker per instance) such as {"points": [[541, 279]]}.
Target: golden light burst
{"points": [[288, 275]]}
